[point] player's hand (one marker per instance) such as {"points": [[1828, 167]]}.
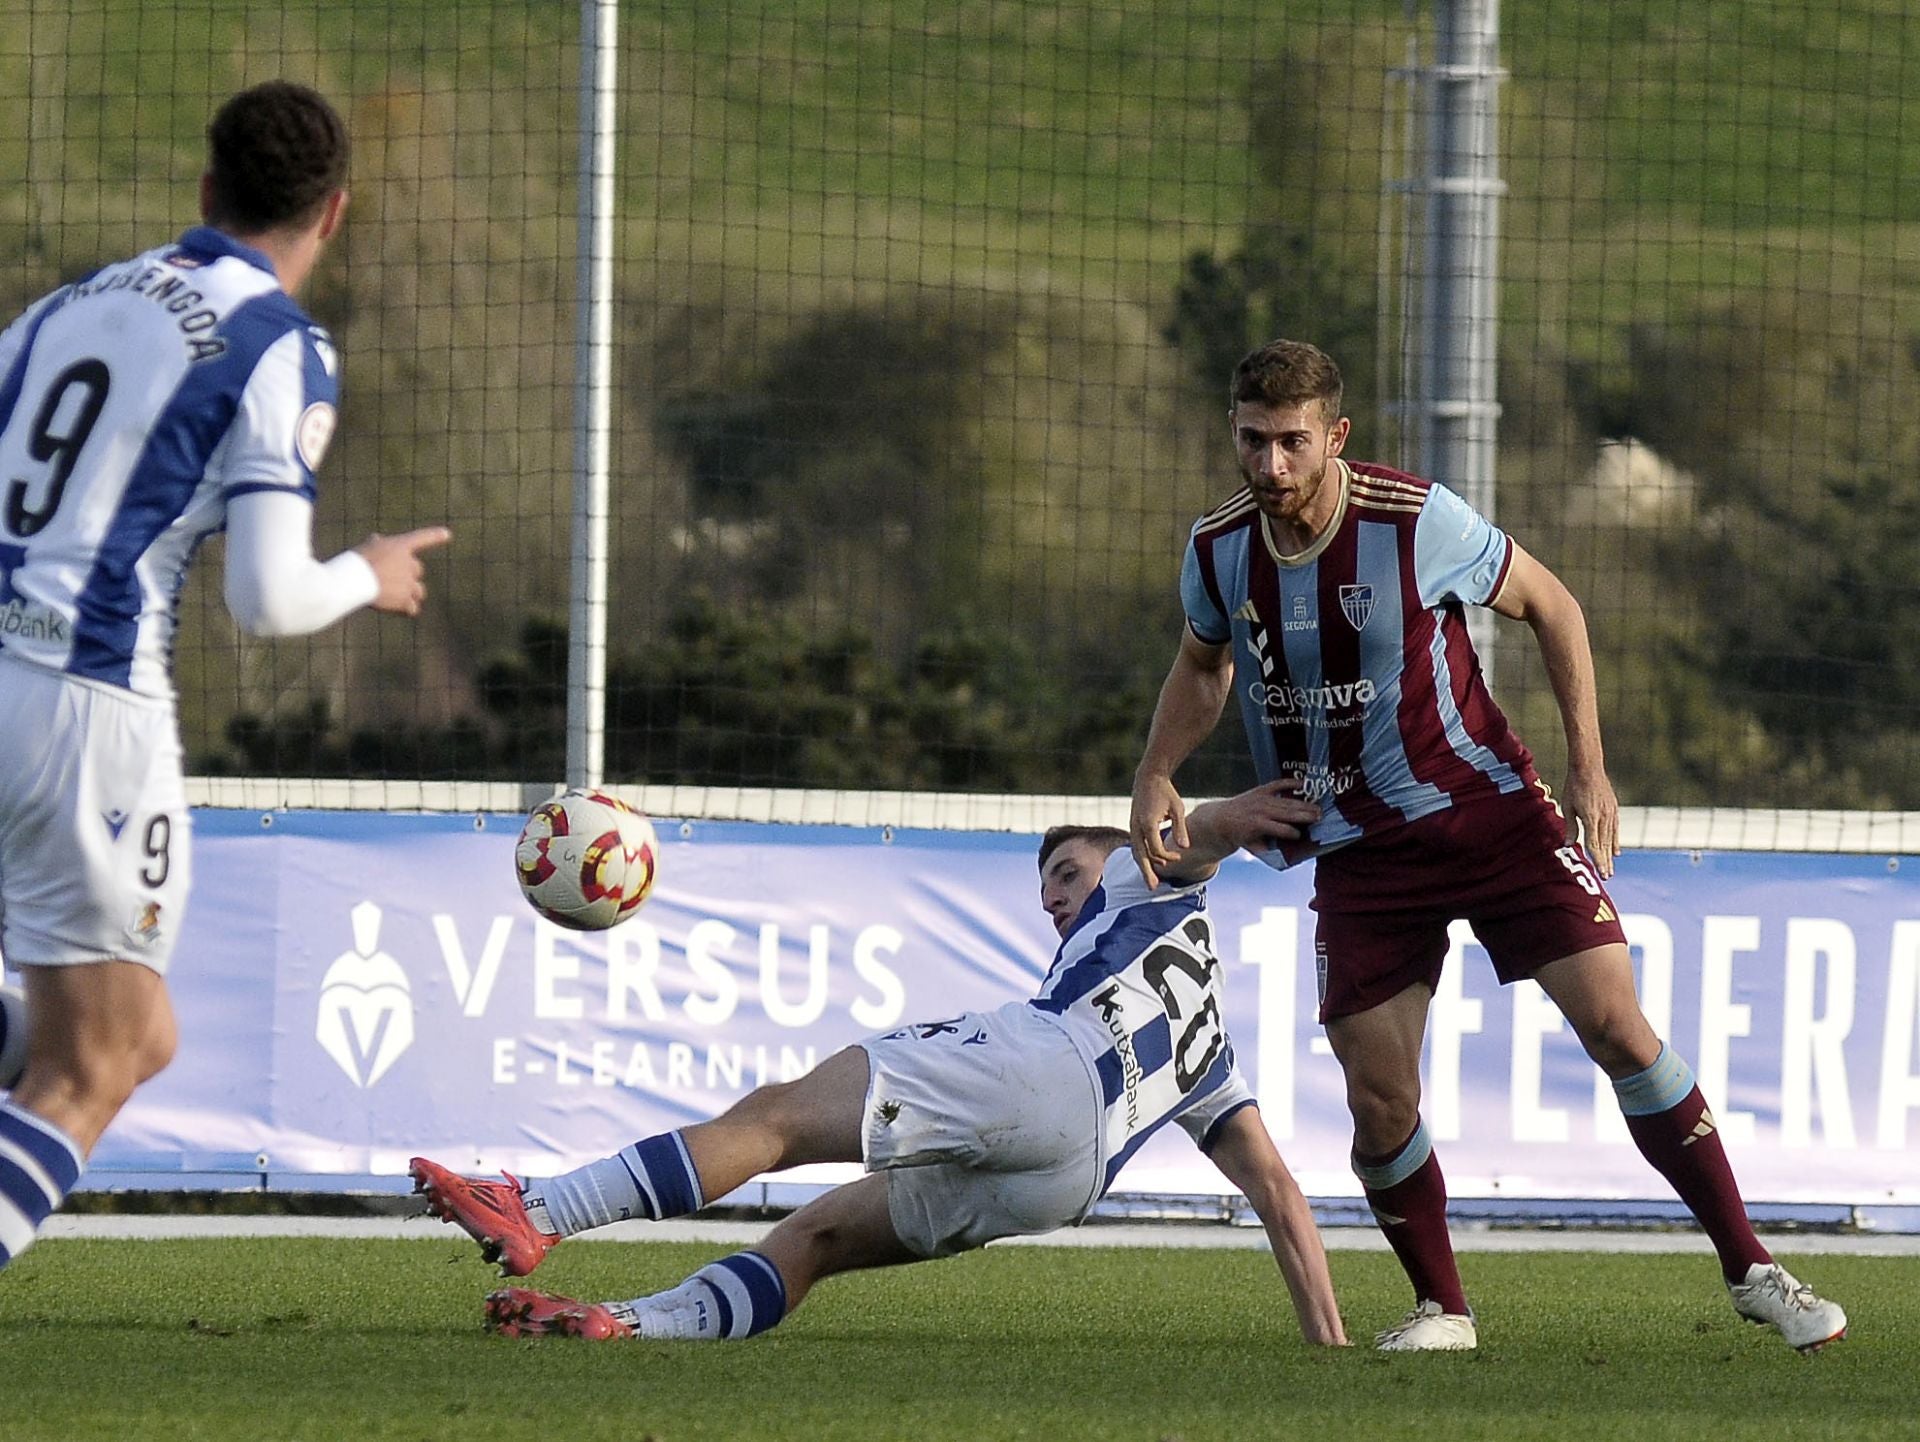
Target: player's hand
{"points": [[398, 569], [1591, 805], [1260, 819], [1155, 802]]}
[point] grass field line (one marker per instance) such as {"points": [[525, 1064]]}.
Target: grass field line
{"points": [[1135, 1234]]}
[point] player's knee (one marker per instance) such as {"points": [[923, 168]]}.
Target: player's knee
{"points": [[1382, 1119], [773, 1109], [1619, 1040]]}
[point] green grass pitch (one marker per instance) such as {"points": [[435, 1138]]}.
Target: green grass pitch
{"points": [[318, 1339]]}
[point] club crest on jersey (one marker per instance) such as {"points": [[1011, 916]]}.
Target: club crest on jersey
{"points": [[1356, 604], [314, 432]]}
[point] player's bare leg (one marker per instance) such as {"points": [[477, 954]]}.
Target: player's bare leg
{"points": [[1594, 991], [95, 1031], [1379, 1052], [737, 1297], [847, 1230], [1671, 1124], [815, 1118]]}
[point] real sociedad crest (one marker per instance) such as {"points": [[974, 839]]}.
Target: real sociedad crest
{"points": [[1356, 604]]}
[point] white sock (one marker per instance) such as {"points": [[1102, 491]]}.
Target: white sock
{"points": [[736, 1297], [653, 1178]]}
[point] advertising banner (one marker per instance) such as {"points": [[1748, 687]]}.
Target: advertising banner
{"points": [[355, 988]]}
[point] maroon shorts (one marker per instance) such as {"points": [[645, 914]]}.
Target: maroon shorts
{"points": [[1502, 864]]}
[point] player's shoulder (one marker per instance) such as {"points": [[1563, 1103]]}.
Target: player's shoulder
{"points": [[279, 347], [1384, 492], [1235, 513], [271, 315], [1122, 885], [241, 280]]}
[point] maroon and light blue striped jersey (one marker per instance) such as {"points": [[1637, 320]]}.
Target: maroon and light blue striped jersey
{"points": [[1352, 663]]}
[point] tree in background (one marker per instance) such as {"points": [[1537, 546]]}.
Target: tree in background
{"points": [[1305, 266], [1786, 655]]}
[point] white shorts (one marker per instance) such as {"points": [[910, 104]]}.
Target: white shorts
{"points": [[94, 830], [987, 1125]]}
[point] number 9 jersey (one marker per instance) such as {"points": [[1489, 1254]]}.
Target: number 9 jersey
{"points": [[1137, 985], [133, 405]]}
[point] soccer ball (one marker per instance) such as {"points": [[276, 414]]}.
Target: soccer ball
{"points": [[585, 860]]}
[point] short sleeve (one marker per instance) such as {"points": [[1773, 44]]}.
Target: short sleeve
{"points": [[1204, 615], [285, 418], [1458, 554], [1201, 1121]]}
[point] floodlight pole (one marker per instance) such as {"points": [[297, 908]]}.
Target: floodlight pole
{"points": [[1457, 413], [592, 400]]}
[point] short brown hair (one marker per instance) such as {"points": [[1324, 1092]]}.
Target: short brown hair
{"points": [[1108, 838], [275, 153], [1289, 373]]}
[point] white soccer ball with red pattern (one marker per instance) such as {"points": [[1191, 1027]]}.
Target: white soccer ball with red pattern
{"points": [[586, 860]]}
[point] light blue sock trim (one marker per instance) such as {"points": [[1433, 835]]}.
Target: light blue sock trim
{"points": [[1660, 1088], [1410, 1159]]}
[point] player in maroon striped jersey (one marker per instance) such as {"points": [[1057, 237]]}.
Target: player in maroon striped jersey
{"points": [[1329, 598]]}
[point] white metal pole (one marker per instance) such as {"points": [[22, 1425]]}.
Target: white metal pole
{"points": [[1459, 386], [593, 400]]}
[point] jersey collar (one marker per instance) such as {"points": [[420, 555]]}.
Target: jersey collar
{"points": [[1321, 541], [205, 240]]}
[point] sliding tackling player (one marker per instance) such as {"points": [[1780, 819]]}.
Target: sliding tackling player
{"points": [[992, 1124]]}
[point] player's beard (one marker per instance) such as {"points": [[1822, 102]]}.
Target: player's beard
{"points": [[1303, 491]]}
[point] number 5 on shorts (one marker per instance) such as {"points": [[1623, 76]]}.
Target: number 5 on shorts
{"points": [[1571, 858]]}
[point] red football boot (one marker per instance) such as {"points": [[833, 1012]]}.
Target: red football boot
{"points": [[518, 1312], [489, 1212]]}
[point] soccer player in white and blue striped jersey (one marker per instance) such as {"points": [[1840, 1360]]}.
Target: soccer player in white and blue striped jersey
{"points": [[144, 408], [986, 1125]]}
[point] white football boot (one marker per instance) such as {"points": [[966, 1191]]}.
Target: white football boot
{"points": [[1771, 1297], [1428, 1329]]}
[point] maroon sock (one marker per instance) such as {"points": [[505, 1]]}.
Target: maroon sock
{"points": [[1409, 1200], [1684, 1146]]}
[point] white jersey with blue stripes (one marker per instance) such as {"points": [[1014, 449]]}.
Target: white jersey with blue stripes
{"points": [[1137, 985], [134, 404]]}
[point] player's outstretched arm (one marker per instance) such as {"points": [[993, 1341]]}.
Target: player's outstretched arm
{"points": [[276, 587], [1255, 820], [1189, 708], [1246, 1156], [1533, 594]]}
